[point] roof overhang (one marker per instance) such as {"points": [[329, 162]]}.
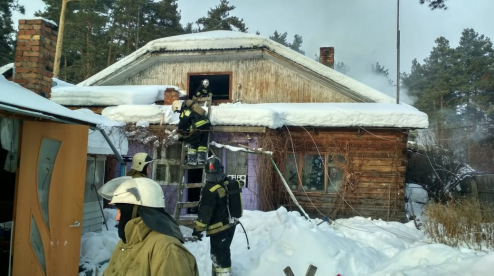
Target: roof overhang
{"points": [[27, 114]]}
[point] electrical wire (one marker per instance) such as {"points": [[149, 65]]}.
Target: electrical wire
{"points": [[299, 176], [343, 198]]}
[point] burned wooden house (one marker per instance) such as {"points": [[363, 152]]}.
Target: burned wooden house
{"points": [[340, 144]]}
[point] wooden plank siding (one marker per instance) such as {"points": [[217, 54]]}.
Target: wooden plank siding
{"points": [[374, 172], [261, 80]]}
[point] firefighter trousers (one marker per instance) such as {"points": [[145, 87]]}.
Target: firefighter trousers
{"points": [[220, 248]]}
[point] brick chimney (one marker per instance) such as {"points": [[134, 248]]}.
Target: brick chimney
{"points": [[171, 95], [326, 56], [34, 55]]}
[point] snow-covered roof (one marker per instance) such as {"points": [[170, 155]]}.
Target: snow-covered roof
{"points": [[109, 95], [44, 19], [58, 82], [229, 40], [17, 96], [277, 115], [6, 68]]}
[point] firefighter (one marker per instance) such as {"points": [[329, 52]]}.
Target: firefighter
{"points": [[195, 124], [220, 208], [140, 165], [203, 90], [150, 239]]}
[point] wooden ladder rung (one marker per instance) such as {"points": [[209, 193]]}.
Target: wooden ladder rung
{"points": [[192, 185], [188, 204], [189, 167], [203, 99]]}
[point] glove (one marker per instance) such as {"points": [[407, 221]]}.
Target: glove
{"points": [[197, 235], [180, 137]]}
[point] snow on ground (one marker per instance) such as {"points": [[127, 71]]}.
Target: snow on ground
{"points": [[96, 248], [108, 95], [349, 247], [276, 115]]}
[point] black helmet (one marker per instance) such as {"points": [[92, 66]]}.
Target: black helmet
{"points": [[214, 165]]}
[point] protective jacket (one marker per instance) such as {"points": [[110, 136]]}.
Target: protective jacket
{"points": [[213, 214], [190, 120], [150, 253], [202, 91], [136, 174]]}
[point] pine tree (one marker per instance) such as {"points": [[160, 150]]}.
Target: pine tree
{"points": [[341, 67], [455, 87], [100, 32], [435, 83], [219, 18], [296, 45], [435, 4], [7, 31], [280, 38], [380, 70]]}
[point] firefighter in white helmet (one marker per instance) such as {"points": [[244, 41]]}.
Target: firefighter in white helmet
{"points": [[140, 165], [204, 90], [150, 239], [195, 126]]}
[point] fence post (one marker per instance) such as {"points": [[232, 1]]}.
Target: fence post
{"points": [[475, 190], [311, 271], [288, 271]]}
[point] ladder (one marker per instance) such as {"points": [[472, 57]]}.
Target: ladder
{"points": [[189, 220]]}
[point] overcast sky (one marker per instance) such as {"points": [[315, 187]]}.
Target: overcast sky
{"points": [[362, 31]]}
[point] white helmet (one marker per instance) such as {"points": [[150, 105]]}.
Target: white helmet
{"points": [[177, 105], [137, 191], [140, 160], [205, 83]]}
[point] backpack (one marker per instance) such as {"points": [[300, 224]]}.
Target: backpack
{"points": [[194, 106], [234, 198]]}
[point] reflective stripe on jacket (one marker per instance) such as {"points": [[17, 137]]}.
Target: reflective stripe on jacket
{"points": [[190, 120], [213, 215]]}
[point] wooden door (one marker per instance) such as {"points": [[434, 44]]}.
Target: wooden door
{"points": [[49, 199]]}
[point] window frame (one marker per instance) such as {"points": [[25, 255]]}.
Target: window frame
{"points": [[229, 73], [164, 160], [300, 166]]}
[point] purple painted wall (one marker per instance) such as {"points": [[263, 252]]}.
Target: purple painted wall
{"points": [[249, 194]]}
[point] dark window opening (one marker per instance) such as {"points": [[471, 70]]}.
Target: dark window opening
{"points": [[9, 161], [193, 194], [219, 85]]}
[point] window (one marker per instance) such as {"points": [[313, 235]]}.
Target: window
{"points": [[95, 173], [335, 173], [219, 83], [166, 167], [318, 173], [313, 173], [291, 171]]}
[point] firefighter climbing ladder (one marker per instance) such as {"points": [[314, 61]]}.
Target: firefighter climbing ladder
{"points": [[181, 205]]}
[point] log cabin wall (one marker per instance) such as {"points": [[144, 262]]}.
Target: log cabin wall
{"points": [[372, 163], [261, 78]]}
